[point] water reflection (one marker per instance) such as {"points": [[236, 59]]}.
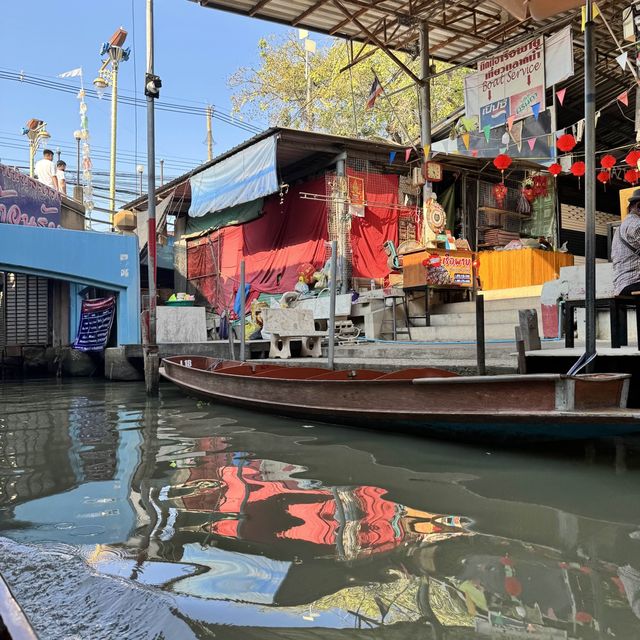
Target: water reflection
{"points": [[235, 519]]}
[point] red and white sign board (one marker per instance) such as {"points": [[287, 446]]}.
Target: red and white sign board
{"points": [[509, 83]]}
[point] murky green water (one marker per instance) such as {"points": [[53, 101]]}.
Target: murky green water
{"points": [[123, 518]]}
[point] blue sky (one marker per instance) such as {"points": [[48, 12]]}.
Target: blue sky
{"points": [[197, 49]]}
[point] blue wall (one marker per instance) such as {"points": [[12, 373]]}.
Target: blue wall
{"points": [[104, 260]]}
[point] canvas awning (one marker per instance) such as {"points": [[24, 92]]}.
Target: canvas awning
{"points": [[245, 176]]}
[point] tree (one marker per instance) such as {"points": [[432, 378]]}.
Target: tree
{"points": [[277, 89]]}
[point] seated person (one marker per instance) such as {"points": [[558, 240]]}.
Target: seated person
{"points": [[625, 250]]}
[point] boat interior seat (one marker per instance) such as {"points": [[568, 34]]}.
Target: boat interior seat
{"points": [[418, 372]]}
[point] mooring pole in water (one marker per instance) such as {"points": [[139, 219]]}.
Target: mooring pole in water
{"points": [[243, 302], [480, 346], [150, 349], [332, 302]]}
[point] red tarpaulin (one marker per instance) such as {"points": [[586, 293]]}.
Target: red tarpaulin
{"points": [[274, 247], [380, 223]]}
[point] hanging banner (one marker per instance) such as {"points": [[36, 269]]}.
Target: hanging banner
{"points": [[558, 57], [356, 196], [26, 201], [96, 319]]}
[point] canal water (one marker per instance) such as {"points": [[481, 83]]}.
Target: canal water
{"points": [[122, 517]]}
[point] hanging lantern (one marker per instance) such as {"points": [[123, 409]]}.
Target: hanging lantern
{"points": [[555, 169], [566, 142], [632, 158], [608, 162], [502, 162], [631, 176], [578, 168], [603, 177], [500, 194]]}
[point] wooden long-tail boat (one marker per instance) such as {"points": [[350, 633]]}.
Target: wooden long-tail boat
{"points": [[426, 400]]}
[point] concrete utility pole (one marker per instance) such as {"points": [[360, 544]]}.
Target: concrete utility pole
{"points": [[590, 182], [209, 133], [152, 91], [425, 100]]}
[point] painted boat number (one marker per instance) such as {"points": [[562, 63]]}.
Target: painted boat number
{"points": [[186, 363]]}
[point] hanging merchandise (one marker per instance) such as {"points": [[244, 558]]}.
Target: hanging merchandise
{"points": [[500, 194], [435, 215], [608, 162], [528, 190], [566, 142], [540, 186]]}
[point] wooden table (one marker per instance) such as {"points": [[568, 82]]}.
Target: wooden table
{"points": [[520, 267]]}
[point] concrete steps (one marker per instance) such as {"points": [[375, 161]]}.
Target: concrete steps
{"points": [[463, 332], [490, 306]]}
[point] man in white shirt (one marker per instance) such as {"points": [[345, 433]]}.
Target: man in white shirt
{"points": [[46, 170], [61, 167]]}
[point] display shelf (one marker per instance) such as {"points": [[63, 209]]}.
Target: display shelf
{"points": [[503, 211]]}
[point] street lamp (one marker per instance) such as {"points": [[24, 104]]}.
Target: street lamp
{"points": [[140, 170], [108, 76], [36, 131]]}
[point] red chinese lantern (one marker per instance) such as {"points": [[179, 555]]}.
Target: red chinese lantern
{"points": [[632, 158], [603, 177], [631, 176], [500, 194], [513, 586], [502, 162], [566, 142], [578, 168], [608, 161], [555, 169]]}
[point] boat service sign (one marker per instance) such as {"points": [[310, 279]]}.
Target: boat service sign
{"points": [[510, 85]]}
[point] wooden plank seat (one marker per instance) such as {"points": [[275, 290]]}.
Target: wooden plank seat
{"points": [[617, 306], [285, 325]]}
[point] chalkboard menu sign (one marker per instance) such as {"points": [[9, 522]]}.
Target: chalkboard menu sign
{"points": [[96, 319]]}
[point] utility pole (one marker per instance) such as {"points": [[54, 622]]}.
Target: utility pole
{"points": [[209, 133], [309, 48], [152, 86], [161, 173]]}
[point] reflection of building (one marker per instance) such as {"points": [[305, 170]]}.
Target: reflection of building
{"points": [[34, 459]]}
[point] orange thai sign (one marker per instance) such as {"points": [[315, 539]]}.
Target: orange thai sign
{"points": [[449, 268], [356, 196]]}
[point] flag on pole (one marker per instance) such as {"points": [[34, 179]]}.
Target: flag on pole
{"points": [[73, 73], [374, 92]]}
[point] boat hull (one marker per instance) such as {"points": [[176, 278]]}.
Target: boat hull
{"points": [[511, 407]]}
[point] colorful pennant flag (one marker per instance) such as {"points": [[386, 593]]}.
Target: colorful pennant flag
{"points": [[595, 11], [426, 149], [536, 110], [624, 98], [560, 95], [510, 121], [466, 139], [407, 154], [532, 143], [622, 59], [487, 132], [392, 156]]}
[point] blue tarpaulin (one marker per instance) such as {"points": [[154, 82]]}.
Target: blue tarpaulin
{"points": [[244, 176]]}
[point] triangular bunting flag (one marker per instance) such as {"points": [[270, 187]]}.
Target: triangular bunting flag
{"points": [[474, 153], [560, 95], [407, 154], [595, 11], [536, 110], [466, 139], [510, 121], [624, 98], [392, 156], [622, 59], [426, 149], [532, 143], [487, 132]]}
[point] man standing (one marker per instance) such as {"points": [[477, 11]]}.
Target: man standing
{"points": [[625, 250], [61, 167], [46, 170]]}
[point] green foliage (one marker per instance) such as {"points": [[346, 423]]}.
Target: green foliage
{"points": [[277, 89]]}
